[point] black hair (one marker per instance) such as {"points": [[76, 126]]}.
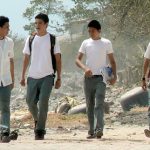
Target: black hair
{"points": [[94, 24], [43, 17], [3, 20]]}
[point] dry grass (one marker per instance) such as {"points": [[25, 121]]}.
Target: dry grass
{"points": [[58, 120], [53, 120], [139, 109]]}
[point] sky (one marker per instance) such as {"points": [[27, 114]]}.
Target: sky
{"points": [[14, 10]]}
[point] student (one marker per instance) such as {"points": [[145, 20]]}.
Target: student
{"points": [[40, 79], [144, 84], [6, 77], [97, 50]]}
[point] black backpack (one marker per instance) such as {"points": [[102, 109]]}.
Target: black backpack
{"points": [[52, 41]]}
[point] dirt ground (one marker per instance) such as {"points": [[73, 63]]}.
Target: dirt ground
{"points": [[69, 133], [115, 138]]}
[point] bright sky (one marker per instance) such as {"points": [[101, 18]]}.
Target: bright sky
{"points": [[14, 10]]}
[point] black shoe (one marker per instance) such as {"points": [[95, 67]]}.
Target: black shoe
{"points": [[99, 133], [91, 136], [14, 135], [39, 137], [39, 134], [4, 137], [147, 133]]}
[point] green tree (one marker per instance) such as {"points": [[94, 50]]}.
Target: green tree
{"points": [[50, 7], [128, 17], [131, 17]]}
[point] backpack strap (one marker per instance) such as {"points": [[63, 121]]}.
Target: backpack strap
{"points": [[53, 41], [31, 38]]}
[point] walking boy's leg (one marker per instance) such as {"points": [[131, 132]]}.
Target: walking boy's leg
{"points": [[147, 131], [32, 89], [5, 93], [90, 103], [45, 90], [149, 117], [99, 107]]}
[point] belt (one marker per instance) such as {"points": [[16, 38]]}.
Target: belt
{"points": [[97, 76]]}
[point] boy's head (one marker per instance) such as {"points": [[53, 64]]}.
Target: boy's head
{"points": [[41, 22], [94, 29], [4, 26]]}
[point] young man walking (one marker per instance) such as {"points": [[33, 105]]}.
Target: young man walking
{"points": [[97, 50], [6, 77], [144, 84], [40, 81]]}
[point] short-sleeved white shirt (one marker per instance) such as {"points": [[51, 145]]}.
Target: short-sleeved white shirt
{"points": [[96, 52], [41, 61], [6, 52]]}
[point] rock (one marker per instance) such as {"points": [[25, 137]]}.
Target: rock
{"points": [[63, 129], [106, 107], [65, 104], [113, 119], [26, 125], [117, 123], [78, 109], [21, 97], [74, 134], [134, 133], [82, 109], [63, 108], [135, 97]]}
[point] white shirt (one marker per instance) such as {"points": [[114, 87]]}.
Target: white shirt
{"points": [[41, 61], [6, 52], [96, 52], [147, 53]]}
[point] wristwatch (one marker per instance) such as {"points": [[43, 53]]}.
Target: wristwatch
{"points": [[143, 79]]}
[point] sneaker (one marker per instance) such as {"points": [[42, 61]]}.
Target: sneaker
{"points": [[99, 134], [39, 137], [39, 134], [14, 135], [4, 137], [91, 136], [147, 133]]}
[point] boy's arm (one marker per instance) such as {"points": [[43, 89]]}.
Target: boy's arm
{"points": [[88, 72], [58, 69], [25, 66], [12, 71], [145, 68], [113, 65]]}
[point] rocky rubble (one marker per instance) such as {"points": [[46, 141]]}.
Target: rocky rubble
{"points": [[72, 88]]}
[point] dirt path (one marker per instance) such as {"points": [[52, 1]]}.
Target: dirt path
{"points": [[115, 138]]}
